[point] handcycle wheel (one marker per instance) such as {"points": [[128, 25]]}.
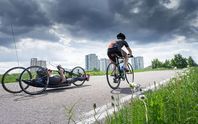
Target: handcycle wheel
{"points": [[36, 84], [113, 76], [130, 74], [10, 80], [78, 72]]}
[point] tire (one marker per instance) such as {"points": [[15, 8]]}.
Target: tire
{"points": [[30, 74], [113, 76], [10, 80], [129, 75], [78, 72]]}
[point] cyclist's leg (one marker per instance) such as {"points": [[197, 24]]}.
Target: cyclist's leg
{"points": [[124, 54], [111, 54], [72, 80], [63, 79]]}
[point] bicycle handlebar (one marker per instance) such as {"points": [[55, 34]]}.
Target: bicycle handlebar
{"points": [[130, 56]]}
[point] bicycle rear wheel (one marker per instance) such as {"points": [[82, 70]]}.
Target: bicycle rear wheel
{"points": [[78, 72], [36, 84], [113, 76], [10, 80], [130, 74]]}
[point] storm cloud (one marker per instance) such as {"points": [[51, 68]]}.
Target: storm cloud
{"points": [[143, 21]]}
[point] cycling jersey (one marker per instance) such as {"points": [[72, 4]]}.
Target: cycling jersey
{"points": [[115, 47], [119, 44]]}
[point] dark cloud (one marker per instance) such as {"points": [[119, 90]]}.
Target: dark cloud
{"points": [[154, 19], [144, 21], [25, 16]]}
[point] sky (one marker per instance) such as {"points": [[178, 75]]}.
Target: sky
{"points": [[64, 31]]}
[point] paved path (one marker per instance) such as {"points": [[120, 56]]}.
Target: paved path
{"points": [[50, 108]]}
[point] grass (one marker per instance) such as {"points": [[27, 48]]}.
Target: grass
{"points": [[150, 69], [10, 78], [96, 73], [176, 103]]}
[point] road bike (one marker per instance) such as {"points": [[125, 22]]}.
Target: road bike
{"points": [[115, 72]]}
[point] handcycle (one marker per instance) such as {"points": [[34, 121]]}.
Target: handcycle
{"points": [[29, 81], [115, 72]]}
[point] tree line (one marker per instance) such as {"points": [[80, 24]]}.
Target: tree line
{"points": [[178, 61]]}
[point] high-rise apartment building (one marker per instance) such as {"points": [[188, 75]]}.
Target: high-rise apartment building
{"points": [[103, 64], [36, 62], [41, 63], [91, 62], [33, 62], [137, 62]]}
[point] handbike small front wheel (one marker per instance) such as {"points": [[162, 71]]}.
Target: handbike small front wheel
{"points": [[113, 76], [78, 72], [130, 74], [36, 78], [10, 80]]}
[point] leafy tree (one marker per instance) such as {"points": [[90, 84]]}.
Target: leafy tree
{"points": [[191, 62], [156, 63], [178, 61], [167, 64]]}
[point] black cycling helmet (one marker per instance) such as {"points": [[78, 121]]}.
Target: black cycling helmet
{"points": [[41, 72], [121, 36]]}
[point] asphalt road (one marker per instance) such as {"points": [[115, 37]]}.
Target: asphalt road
{"points": [[51, 107]]}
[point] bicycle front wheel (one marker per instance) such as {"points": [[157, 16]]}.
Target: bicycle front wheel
{"points": [[113, 76], [130, 74], [76, 73]]}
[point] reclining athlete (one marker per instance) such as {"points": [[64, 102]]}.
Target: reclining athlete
{"points": [[62, 79], [115, 47]]}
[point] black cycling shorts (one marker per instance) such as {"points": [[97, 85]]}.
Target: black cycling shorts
{"points": [[111, 53], [55, 80]]}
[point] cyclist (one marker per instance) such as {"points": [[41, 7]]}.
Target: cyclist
{"points": [[62, 79], [57, 79], [115, 47]]}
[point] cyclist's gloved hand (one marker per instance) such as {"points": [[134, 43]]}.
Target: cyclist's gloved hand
{"points": [[59, 67], [130, 55]]}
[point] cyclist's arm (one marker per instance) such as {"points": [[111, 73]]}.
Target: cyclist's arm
{"points": [[129, 50]]}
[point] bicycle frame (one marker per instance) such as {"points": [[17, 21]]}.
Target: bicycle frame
{"points": [[114, 73], [121, 72]]}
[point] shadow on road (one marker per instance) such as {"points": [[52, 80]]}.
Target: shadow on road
{"points": [[125, 90], [48, 91], [23, 96], [5, 96], [61, 89], [28, 97]]}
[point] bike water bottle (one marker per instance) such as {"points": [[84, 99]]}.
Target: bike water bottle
{"points": [[122, 68]]}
